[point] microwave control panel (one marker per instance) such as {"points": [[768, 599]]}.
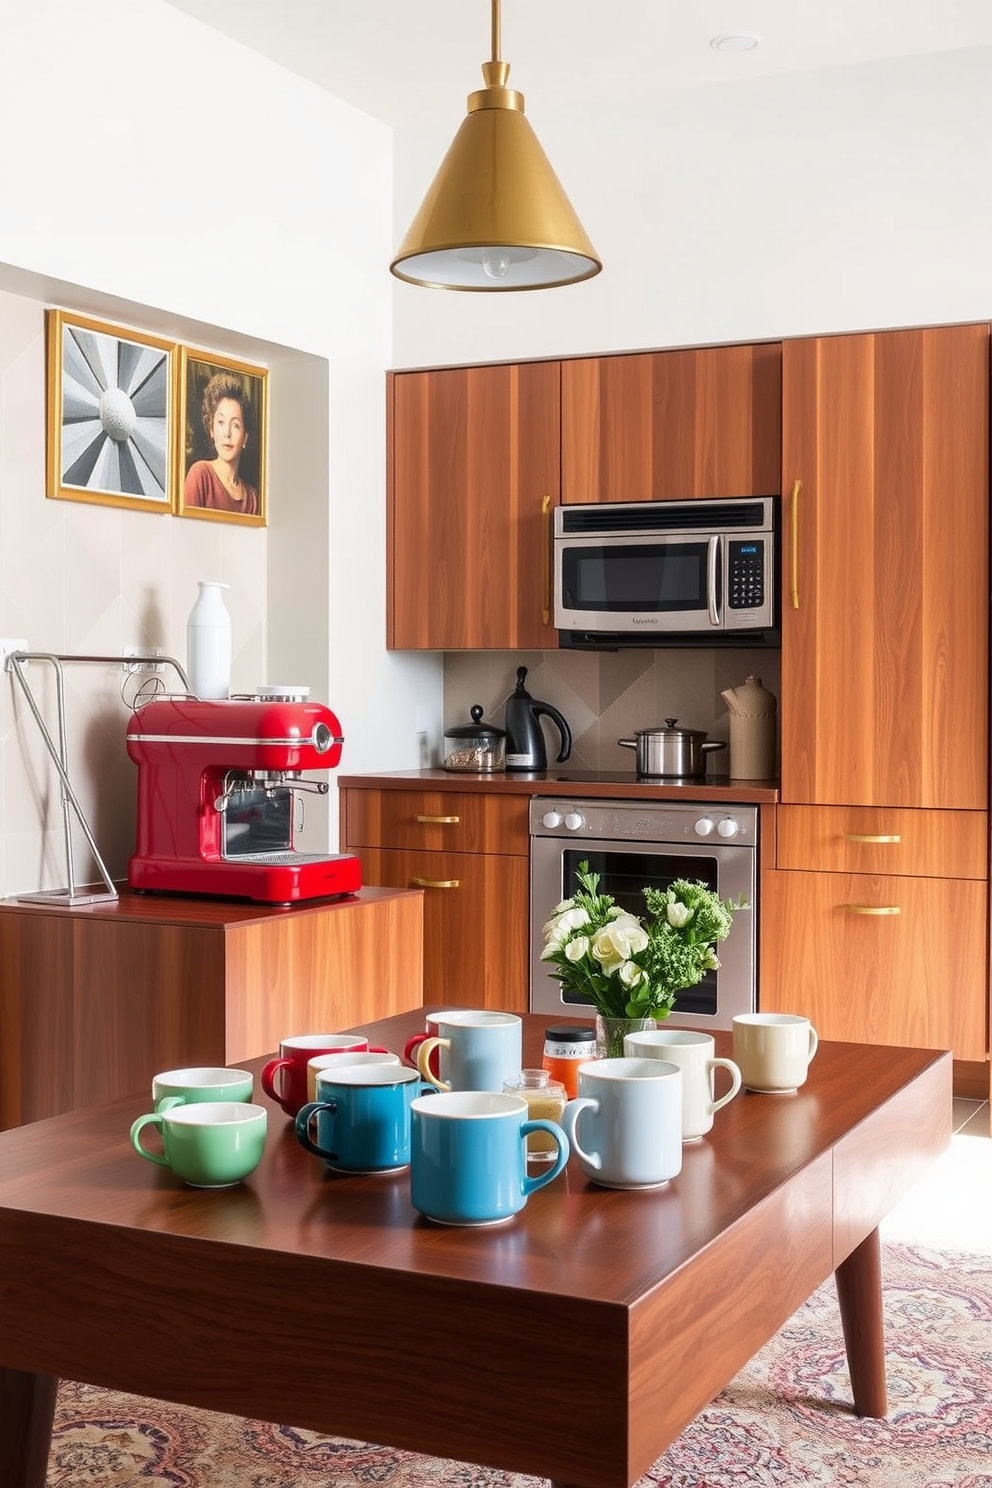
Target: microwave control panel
{"points": [[746, 573]]}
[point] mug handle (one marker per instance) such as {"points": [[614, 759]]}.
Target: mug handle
{"points": [[303, 1119], [423, 1061], [154, 1119], [735, 1082], [167, 1102], [269, 1081], [412, 1044], [814, 1042], [540, 1179], [569, 1120]]}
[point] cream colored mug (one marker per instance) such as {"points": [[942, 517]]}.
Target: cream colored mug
{"points": [[774, 1051], [695, 1055]]}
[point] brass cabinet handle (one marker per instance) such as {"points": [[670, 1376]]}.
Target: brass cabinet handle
{"points": [[437, 819], [546, 559], [872, 837], [873, 909], [797, 487], [435, 883]]}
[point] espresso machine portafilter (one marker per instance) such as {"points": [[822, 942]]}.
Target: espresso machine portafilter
{"points": [[220, 798]]}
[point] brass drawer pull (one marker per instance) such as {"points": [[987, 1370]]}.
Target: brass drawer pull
{"points": [[441, 819], [546, 560], [435, 883], [872, 837], [873, 909], [797, 487]]}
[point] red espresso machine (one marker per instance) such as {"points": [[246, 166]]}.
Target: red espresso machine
{"points": [[219, 788]]}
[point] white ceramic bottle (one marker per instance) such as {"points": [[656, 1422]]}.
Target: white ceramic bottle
{"points": [[208, 643]]}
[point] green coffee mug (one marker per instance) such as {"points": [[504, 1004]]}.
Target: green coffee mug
{"points": [[183, 1087], [207, 1144]]}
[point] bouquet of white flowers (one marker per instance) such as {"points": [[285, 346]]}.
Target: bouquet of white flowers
{"points": [[628, 968]]}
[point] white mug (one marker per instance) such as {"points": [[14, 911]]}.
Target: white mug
{"points": [[346, 1057], [695, 1055], [774, 1051], [477, 1050], [625, 1127]]}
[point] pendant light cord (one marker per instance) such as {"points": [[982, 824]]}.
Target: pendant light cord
{"points": [[495, 45]]}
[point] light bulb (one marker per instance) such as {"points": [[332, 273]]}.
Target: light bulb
{"points": [[495, 262]]}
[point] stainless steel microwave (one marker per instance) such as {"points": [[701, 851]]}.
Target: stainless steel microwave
{"points": [[662, 573]]}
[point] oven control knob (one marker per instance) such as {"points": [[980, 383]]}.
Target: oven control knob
{"points": [[704, 826], [574, 821], [728, 827], [551, 819]]}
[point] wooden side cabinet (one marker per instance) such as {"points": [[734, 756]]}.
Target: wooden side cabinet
{"points": [[472, 476], [468, 852], [874, 924], [672, 425], [94, 1001]]}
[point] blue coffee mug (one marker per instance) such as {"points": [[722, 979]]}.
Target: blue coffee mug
{"points": [[468, 1157], [362, 1117]]}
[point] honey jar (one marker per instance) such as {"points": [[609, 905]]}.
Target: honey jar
{"points": [[545, 1102]]}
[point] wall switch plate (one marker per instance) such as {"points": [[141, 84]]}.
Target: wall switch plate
{"points": [[6, 647]]}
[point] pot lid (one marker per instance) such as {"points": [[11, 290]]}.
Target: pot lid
{"points": [[476, 729], [671, 732]]}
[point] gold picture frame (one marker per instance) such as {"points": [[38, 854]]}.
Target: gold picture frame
{"points": [[111, 414], [222, 399]]}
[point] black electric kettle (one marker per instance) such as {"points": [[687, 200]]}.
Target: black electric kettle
{"points": [[525, 748]]}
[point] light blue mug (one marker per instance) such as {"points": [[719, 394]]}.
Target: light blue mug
{"points": [[362, 1117], [477, 1050], [468, 1157]]}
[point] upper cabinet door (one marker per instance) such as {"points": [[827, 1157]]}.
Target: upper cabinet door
{"points": [[672, 425], [473, 474], [885, 569]]}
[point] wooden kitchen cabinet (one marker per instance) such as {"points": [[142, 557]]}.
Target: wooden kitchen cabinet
{"points": [[672, 425], [95, 1000], [468, 851], [832, 949], [472, 477], [885, 569]]}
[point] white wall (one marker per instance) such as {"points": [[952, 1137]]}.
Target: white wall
{"points": [[848, 198], [158, 173]]}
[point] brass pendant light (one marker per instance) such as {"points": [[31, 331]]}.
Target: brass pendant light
{"points": [[495, 216]]}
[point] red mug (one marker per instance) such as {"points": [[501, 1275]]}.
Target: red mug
{"points": [[414, 1042], [284, 1079]]}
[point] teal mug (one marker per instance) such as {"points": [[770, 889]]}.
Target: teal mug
{"points": [[468, 1157], [361, 1117], [207, 1144]]}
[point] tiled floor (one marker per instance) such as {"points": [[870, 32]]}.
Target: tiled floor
{"points": [[950, 1207]]}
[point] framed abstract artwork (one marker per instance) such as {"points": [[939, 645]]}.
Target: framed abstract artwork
{"points": [[223, 413], [111, 414]]}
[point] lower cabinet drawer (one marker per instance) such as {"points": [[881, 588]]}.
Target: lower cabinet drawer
{"points": [[476, 927], [883, 839], [881, 960]]}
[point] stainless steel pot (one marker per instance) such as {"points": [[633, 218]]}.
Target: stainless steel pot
{"points": [[671, 751]]}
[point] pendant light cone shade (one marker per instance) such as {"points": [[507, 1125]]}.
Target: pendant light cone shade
{"points": [[495, 216]]}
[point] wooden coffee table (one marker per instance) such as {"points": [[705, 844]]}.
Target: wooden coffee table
{"points": [[574, 1342]]}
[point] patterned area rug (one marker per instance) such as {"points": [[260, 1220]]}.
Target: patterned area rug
{"points": [[785, 1420]]}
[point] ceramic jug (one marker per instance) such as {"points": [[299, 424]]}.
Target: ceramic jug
{"points": [[752, 730], [208, 643]]}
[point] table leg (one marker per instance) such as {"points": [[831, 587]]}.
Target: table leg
{"points": [[859, 1291], [27, 1410]]}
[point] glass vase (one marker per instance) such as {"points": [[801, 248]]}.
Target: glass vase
{"points": [[611, 1032]]}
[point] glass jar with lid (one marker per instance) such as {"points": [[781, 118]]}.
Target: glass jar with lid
{"points": [[566, 1046], [477, 747], [545, 1102]]}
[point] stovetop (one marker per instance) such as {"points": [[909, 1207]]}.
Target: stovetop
{"points": [[561, 775]]}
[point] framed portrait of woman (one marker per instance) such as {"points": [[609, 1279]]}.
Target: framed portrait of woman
{"points": [[111, 414], [223, 410]]}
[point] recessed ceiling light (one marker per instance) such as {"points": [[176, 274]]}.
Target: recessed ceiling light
{"points": [[744, 42]]}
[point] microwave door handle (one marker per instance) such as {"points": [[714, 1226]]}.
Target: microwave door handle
{"points": [[712, 550]]}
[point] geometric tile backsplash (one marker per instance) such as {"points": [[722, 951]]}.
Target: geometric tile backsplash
{"points": [[606, 695]]}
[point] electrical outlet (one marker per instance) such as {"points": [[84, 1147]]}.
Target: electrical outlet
{"points": [[6, 647]]}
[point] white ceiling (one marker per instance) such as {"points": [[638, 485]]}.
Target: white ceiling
{"points": [[409, 62]]}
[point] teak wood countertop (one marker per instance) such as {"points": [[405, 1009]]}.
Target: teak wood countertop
{"points": [[574, 1342], [584, 783]]}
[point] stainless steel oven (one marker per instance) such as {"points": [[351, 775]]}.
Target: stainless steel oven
{"points": [[631, 845]]}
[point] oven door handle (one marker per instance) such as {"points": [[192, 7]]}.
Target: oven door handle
{"points": [[712, 551]]}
